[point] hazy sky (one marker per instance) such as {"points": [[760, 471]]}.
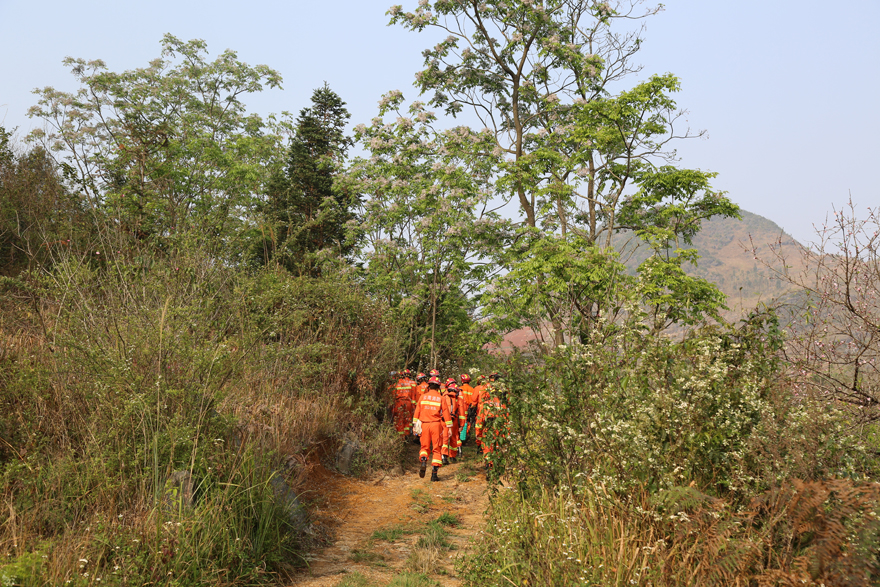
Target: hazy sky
{"points": [[787, 90]]}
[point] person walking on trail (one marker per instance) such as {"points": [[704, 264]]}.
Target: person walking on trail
{"points": [[431, 418], [451, 442], [403, 403], [469, 407], [493, 421], [477, 402], [418, 391]]}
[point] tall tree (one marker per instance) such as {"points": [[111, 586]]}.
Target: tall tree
{"points": [[165, 149], [427, 230], [581, 157], [308, 213]]}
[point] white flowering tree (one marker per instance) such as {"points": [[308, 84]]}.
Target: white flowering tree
{"points": [[164, 148], [582, 160], [426, 230]]}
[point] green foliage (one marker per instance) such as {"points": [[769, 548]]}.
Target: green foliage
{"points": [[117, 370], [426, 234], [570, 152], [37, 215], [627, 410], [308, 214], [164, 149]]}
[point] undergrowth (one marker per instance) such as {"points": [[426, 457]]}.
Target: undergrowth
{"points": [[119, 369]]}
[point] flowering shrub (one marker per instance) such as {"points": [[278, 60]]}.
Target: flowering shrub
{"points": [[629, 409]]}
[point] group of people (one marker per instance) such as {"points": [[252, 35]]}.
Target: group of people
{"points": [[442, 416]]}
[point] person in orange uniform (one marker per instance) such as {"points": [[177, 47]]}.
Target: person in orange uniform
{"points": [[432, 417], [492, 421], [465, 399], [420, 388], [418, 391], [450, 437], [403, 403], [477, 402]]}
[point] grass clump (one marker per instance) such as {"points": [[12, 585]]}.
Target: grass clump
{"points": [[448, 519], [422, 500], [365, 556], [391, 533]]}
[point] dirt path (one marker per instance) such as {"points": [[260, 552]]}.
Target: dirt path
{"points": [[395, 523]]}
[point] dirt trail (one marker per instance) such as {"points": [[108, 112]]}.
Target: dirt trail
{"points": [[350, 511]]}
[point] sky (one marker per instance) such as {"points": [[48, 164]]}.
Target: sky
{"points": [[788, 91]]}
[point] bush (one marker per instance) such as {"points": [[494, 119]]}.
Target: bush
{"points": [[629, 410]]}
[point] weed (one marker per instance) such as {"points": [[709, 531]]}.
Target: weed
{"points": [[391, 533], [447, 519], [365, 556], [412, 580], [422, 499]]}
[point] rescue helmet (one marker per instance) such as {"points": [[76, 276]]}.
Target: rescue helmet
{"points": [[434, 381], [450, 381], [421, 377], [452, 388], [435, 373], [406, 372], [494, 376], [465, 378]]}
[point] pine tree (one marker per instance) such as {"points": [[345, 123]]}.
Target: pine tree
{"points": [[309, 214]]}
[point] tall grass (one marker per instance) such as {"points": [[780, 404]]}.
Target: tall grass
{"points": [[799, 534], [117, 369]]}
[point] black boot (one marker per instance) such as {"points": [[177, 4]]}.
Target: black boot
{"points": [[422, 466], [434, 476], [445, 460]]}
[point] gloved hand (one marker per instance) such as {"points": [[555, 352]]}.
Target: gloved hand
{"points": [[417, 427]]}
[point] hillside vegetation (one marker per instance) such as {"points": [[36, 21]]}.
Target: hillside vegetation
{"points": [[197, 304]]}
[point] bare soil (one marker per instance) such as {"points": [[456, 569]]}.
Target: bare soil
{"points": [[348, 512]]}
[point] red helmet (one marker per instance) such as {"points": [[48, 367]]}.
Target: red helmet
{"points": [[434, 380], [451, 388], [435, 373], [406, 372], [450, 381], [465, 378], [421, 376]]}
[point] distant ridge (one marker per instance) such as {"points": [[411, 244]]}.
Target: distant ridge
{"points": [[727, 259]]}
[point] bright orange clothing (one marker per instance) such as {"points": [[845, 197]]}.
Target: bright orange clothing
{"points": [[451, 440], [465, 393], [493, 415], [430, 409], [477, 396], [435, 418], [403, 406], [418, 391]]}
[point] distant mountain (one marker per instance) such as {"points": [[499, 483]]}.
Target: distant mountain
{"points": [[727, 249]]}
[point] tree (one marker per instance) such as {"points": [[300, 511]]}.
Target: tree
{"points": [[833, 315], [581, 161], [37, 215], [426, 232], [309, 214], [164, 149]]}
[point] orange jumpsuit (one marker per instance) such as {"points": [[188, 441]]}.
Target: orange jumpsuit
{"points": [[418, 390], [465, 397], [477, 401], [403, 406], [435, 418], [492, 412], [451, 441]]}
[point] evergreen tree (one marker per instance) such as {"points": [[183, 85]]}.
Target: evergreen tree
{"points": [[307, 212]]}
